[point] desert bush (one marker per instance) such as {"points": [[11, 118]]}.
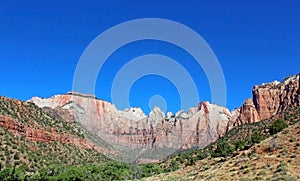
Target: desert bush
{"points": [[174, 165], [191, 161], [256, 137], [224, 149], [278, 126], [240, 145], [16, 156]]}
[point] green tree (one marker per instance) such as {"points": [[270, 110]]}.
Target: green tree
{"points": [[174, 165], [240, 145], [224, 149], [256, 137], [201, 155], [192, 160], [278, 126], [150, 169]]}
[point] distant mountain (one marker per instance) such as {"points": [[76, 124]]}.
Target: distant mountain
{"points": [[42, 136], [138, 137], [132, 131]]}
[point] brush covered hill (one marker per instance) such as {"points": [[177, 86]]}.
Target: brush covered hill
{"points": [[31, 140], [266, 150], [39, 144]]}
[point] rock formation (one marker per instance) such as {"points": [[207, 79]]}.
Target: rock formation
{"points": [[274, 97], [41, 135], [268, 100], [131, 129]]}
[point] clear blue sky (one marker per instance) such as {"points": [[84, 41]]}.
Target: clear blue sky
{"points": [[42, 41]]}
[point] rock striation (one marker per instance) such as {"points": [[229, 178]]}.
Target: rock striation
{"points": [[131, 129], [37, 134], [268, 99]]}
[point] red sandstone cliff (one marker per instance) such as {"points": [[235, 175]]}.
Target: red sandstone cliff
{"points": [[132, 130], [268, 100], [41, 135]]}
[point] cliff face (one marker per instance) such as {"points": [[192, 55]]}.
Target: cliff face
{"points": [[275, 97], [131, 129], [268, 100]]}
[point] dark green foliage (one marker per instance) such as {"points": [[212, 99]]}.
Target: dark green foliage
{"points": [[16, 156], [150, 169], [201, 154], [278, 126], [224, 149], [256, 137], [107, 171], [181, 159], [11, 173], [240, 145], [174, 165], [191, 161]]}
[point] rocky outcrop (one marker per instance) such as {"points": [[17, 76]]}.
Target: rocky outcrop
{"points": [[246, 114], [275, 97], [206, 125], [41, 135], [268, 100]]}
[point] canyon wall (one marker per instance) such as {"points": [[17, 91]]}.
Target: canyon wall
{"points": [[268, 100], [199, 126]]}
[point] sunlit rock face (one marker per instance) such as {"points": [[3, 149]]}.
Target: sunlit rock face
{"points": [[198, 127], [268, 100], [274, 97], [132, 130]]}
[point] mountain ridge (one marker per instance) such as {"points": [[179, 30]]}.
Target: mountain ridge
{"points": [[36, 139], [198, 127]]}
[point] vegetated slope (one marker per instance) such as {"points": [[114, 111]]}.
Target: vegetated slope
{"points": [[35, 145], [30, 139], [241, 158]]}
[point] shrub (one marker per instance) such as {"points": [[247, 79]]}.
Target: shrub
{"points": [[16, 156], [191, 161], [150, 169], [240, 145], [223, 150], [256, 137], [174, 165], [201, 155], [278, 126], [262, 172]]}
